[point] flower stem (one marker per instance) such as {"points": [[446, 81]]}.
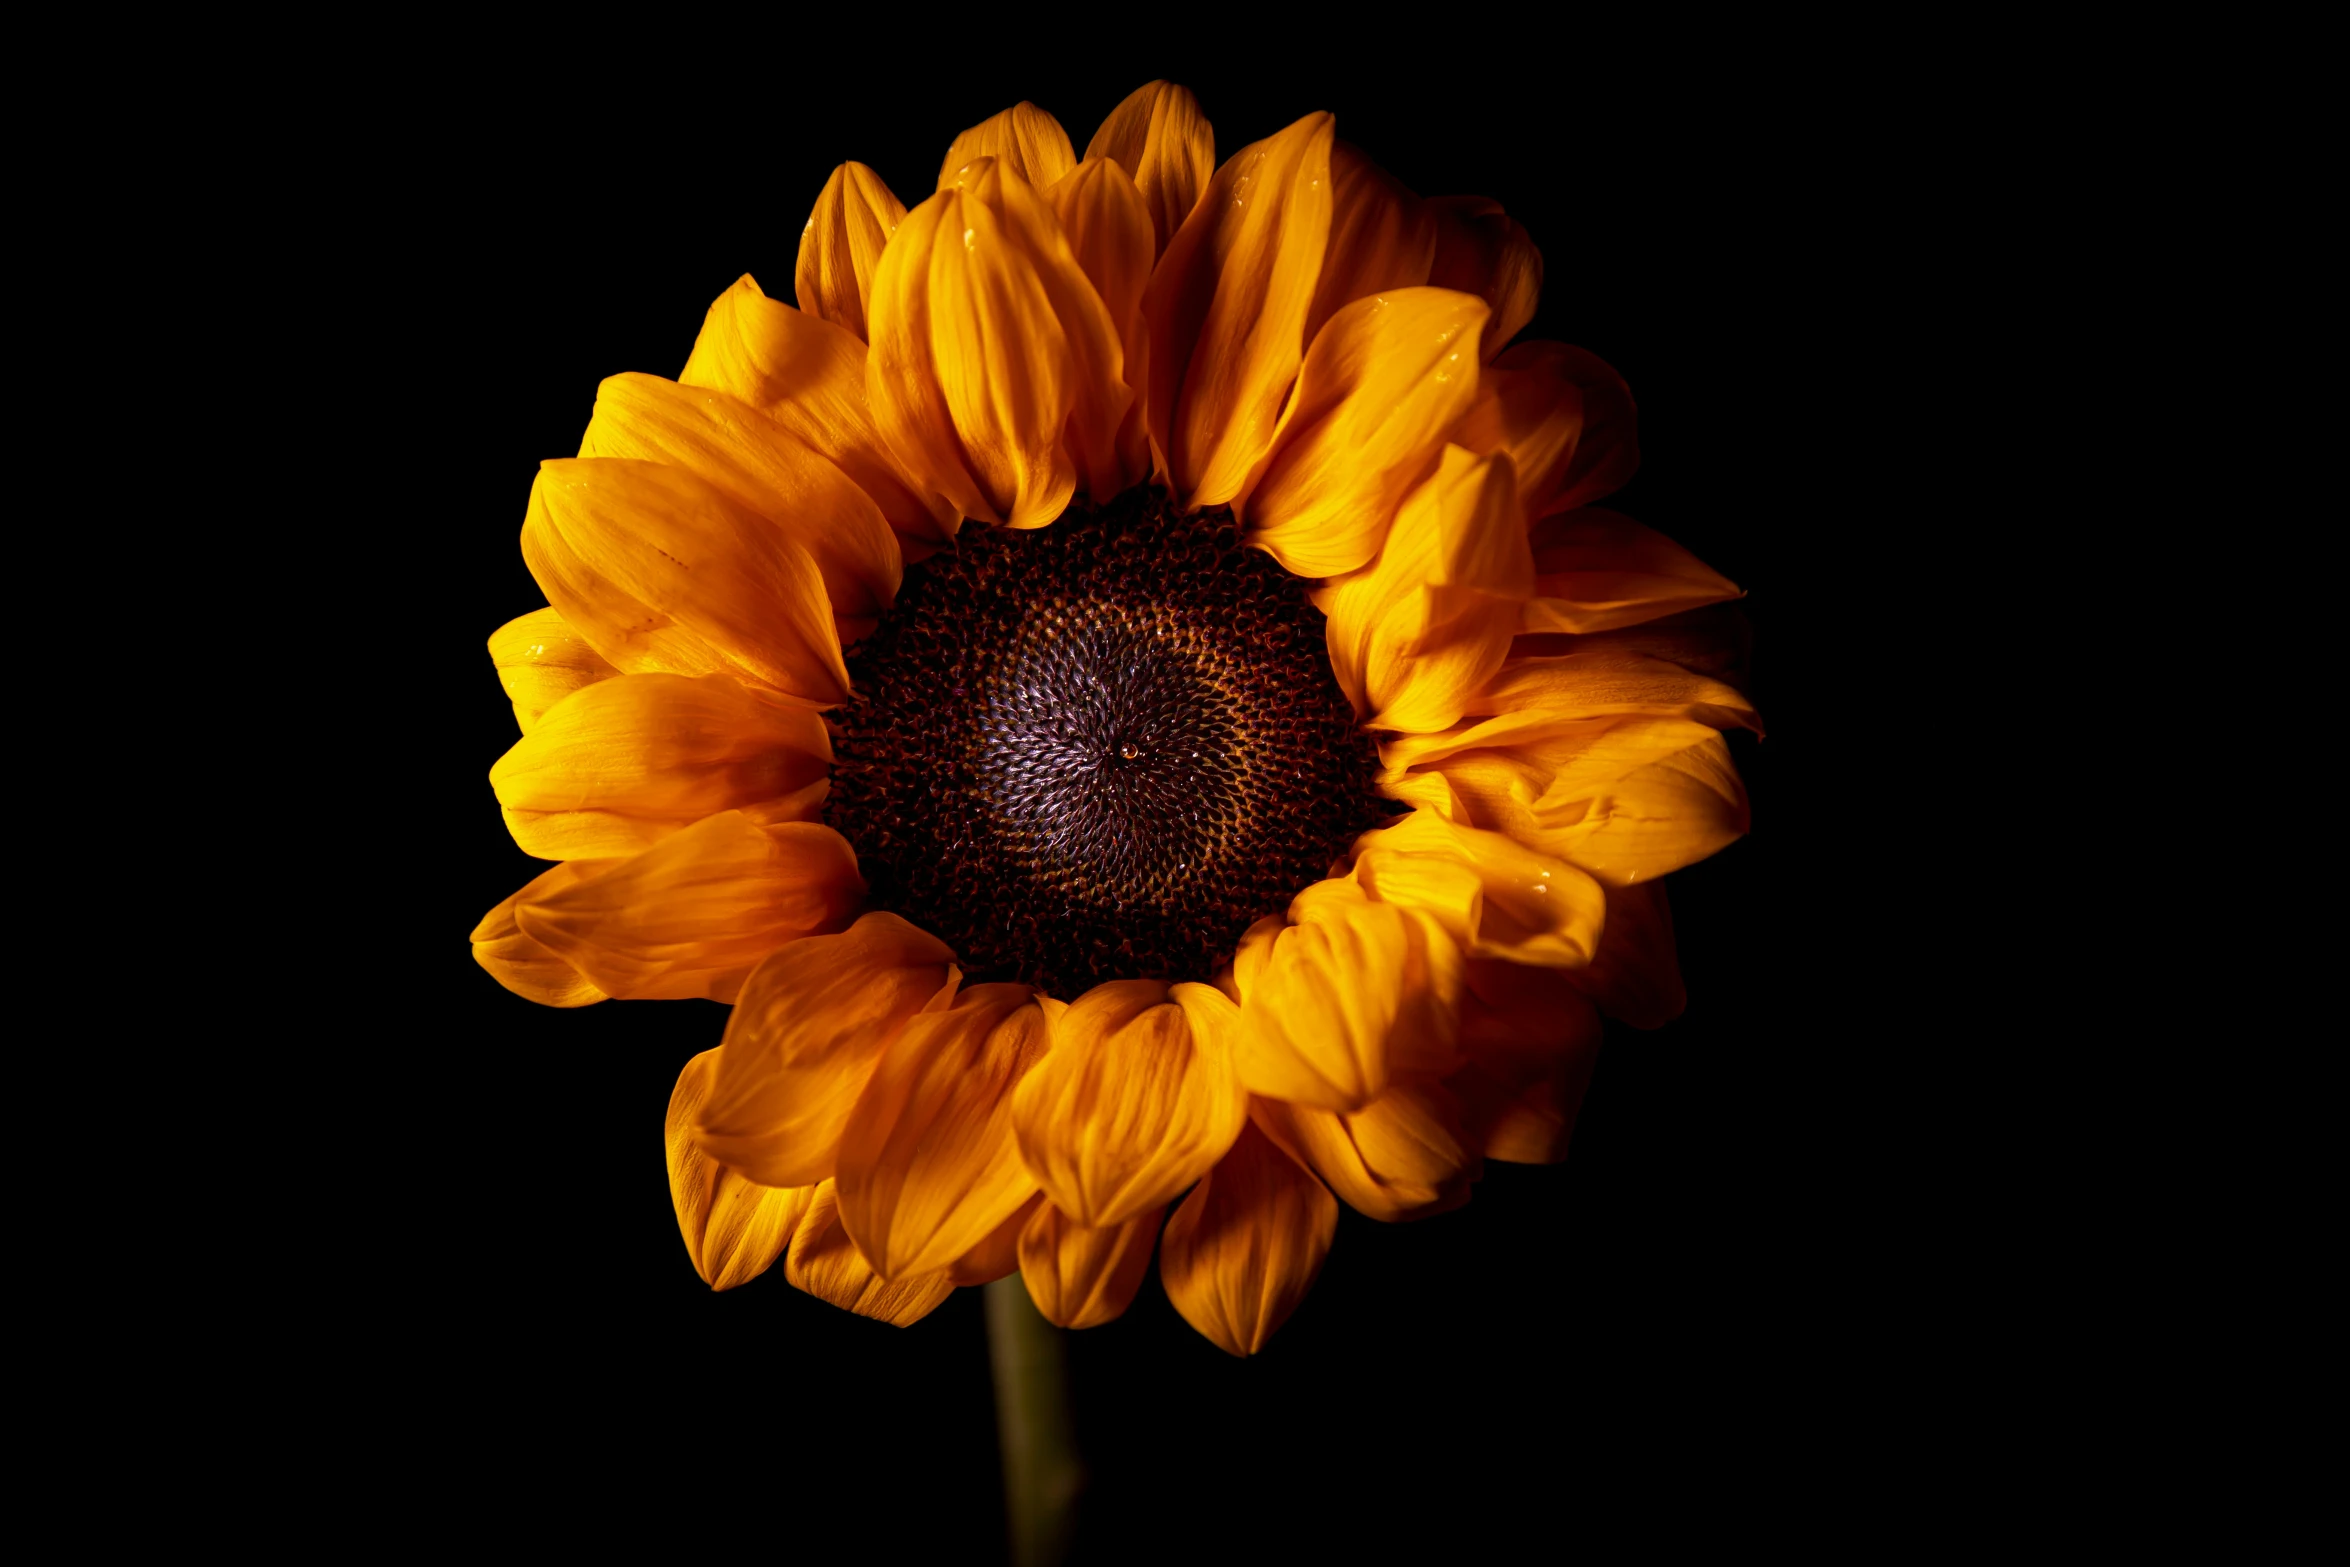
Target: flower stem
{"points": [[1042, 1474]]}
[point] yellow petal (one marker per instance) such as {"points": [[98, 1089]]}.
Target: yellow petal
{"points": [[1244, 1248], [661, 573], [540, 661], [695, 914], [1595, 570], [842, 244], [1414, 635], [1379, 237], [622, 764], [1566, 419], [1160, 138], [1227, 308], [927, 1164], [1606, 678], [825, 1263], [1636, 975], [999, 1254], [765, 469], [1137, 1100], [1386, 378], [1495, 897], [1402, 1156], [1023, 139], [809, 377], [806, 1033], [733, 1229], [1481, 250], [519, 963], [1081, 1277], [1108, 229], [1532, 1043]]}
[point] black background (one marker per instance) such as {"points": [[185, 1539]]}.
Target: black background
{"points": [[1673, 1314]]}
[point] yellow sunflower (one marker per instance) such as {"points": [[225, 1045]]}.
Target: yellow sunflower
{"points": [[1125, 691]]}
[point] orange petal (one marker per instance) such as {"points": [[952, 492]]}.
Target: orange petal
{"points": [[1414, 635], [519, 963], [1494, 896], [842, 244], [624, 763], [1606, 678], [1566, 419], [1227, 309], [1023, 139], [1636, 975], [693, 915], [661, 573], [1108, 229], [1160, 138], [765, 469], [1081, 1277], [1137, 1100], [1481, 250], [825, 1263], [1402, 1156], [999, 1254], [1532, 1042], [733, 1229], [927, 1163], [1385, 380], [1595, 570], [809, 377], [1244, 1248], [540, 661], [806, 1033], [1379, 237]]}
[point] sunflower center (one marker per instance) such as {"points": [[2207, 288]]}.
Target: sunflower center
{"points": [[1098, 750]]}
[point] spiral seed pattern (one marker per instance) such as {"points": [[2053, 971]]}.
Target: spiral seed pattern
{"points": [[1098, 750]]}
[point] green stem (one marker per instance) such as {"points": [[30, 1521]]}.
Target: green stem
{"points": [[1042, 1475]]}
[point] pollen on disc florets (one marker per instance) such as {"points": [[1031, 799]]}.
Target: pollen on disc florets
{"points": [[1098, 750]]}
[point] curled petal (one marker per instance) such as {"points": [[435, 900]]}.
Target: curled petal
{"points": [[1138, 1099], [695, 914], [1566, 419], [998, 1255], [1495, 897], [842, 244], [1024, 141], [1244, 1248], [1160, 138], [1418, 632], [733, 1230], [1383, 383], [1605, 678], [825, 1263], [1379, 237], [1109, 234], [809, 377], [622, 764], [1595, 571], [661, 573], [1227, 308], [763, 468], [1481, 250], [809, 1027], [1081, 1277], [1532, 1042], [927, 1165], [1402, 1156], [519, 962], [540, 661], [1636, 975]]}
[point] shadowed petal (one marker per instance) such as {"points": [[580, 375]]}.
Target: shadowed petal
{"points": [[1402, 1156], [842, 244], [1244, 1248], [519, 962], [1379, 238], [1023, 139], [825, 1263], [733, 1230], [1481, 250], [1163, 142], [1566, 419], [1081, 1277]]}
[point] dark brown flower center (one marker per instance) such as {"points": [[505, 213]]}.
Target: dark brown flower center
{"points": [[1098, 750]]}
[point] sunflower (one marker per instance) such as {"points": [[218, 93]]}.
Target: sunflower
{"points": [[1125, 691]]}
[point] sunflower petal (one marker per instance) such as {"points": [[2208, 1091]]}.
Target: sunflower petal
{"points": [[927, 1164], [1160, 138], [622, 764], [842, 244], [695, 914], [1566, 419], [1382, 384], [809, 377], [518, 962], [1481, 250], [1082, 1277], [1227, 308], [765, 469], [661, 573], [733, 1229], [1244, 1248], [997, 1256], [1636, 975], [1024, 140], [1494, 896], [540, 661], [1532, 1042], [1109, 233], [1605, 678], [1379, 238], [1595, 571], [1402, 1156], [1137, 1100], [825, 1263], [806, 1033]]}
